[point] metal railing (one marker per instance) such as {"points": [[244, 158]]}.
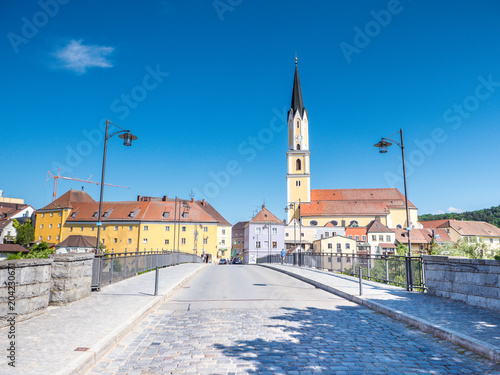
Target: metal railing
{"points": [[397, 270], [112, 267]]}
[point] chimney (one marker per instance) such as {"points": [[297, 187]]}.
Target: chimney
{"points": [[192, 200], [138, 198], [203, 202], [263, 206], [165, 198]]}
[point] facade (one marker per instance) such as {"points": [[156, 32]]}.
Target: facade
{"points": [[380, 238], [421, 239], [224, 233], [9, 212], [263, 235], [238, 238], [148, 224], [480, 231], [297, 235], [340, 207], [357, 233], [337, 244]]}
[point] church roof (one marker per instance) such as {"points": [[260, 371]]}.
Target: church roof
{"points": [[297, 102]]}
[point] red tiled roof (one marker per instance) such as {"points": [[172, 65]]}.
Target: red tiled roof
{"points": [[422, 236], [265, 216], [433, 223], [329, 208], [387, 245], [67, 199], [355, 231], [389, 194], [213, 212], [472, 228]]}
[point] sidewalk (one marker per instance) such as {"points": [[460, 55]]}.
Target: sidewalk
{"points": [[71, 339], [473, 328]]}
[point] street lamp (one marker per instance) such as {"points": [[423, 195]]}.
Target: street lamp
{"points": [[127, 141], [294, 205], [382, 145]]}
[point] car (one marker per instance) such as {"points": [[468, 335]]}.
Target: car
{"points": [[237, 261], [222, 261]]}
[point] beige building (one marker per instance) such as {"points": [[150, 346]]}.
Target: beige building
{"points": [[337, 244]]}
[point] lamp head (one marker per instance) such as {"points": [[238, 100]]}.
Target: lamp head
{"points": [[382, 145], [127, 138]]}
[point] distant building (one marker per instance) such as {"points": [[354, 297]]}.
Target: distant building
{"points": [[77, 244], [238, 238], [9, 212], [297, 235], [421, 239], [11, 249], [340, 207], [264, 235], [4, 199], [337, 244], [380, 238], [147, 224]]}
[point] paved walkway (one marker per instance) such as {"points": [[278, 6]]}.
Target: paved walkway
{"points": [[70, 339], [474, 328]]}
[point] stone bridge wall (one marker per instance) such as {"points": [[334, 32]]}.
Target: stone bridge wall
{"points": [[473, 281]]}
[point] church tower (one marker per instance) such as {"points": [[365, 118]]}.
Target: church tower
{"points": [[298, 178]]}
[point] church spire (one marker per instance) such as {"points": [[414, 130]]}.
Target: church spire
{"points": [[297, 102]]}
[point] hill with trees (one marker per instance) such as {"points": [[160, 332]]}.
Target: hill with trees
{"points": [[490, 215]]}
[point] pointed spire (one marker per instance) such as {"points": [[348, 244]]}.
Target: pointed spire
{"points": [[297, 102]]}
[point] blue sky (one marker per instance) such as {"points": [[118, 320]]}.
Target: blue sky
{"points": [[196, 81]]}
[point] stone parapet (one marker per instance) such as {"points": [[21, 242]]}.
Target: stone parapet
{"points": [[473, 281]]}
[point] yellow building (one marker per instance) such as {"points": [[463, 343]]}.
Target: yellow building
{"points": [[336, 244], [148, 224], [340, 207]]}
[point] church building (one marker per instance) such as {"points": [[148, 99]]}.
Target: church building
{"points": [[317, 208]]}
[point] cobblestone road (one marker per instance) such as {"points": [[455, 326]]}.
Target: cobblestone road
{"points": [[341, 339]]}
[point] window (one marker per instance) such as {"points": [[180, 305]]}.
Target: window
{"points": [[183, 229], [356, 238], [41, 226], [116, 227], [363, 238], [349, 236], [144, 240], [399, 226], [129, 240], [205, 241], [48, 238], [298, 146], [258, 230], [51, 214], [183, 241], [40, 238], [298, 124], [313, 222], [257, 244], [380, 237], [347, 246], [339, 246], [274, 230], [167, 228], [43, 215], [275, 245], [223, 231], [166, 214], [354, 223], [330, 246], [50, 225], [115, 240], [374, 237], [297, 183], [81, 229], [185, 215], [92, 228], [166, 242], [59, 225], [298, 165], [388, 238], [145, 227], [58, 238], [334, 222], [60, 213], [102, 241], [223, 242], [287, 234], [205, 229], [327, 234], [130, 227], [104, 227], [302, 235]]}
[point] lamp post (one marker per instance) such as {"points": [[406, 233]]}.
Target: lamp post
{"points": [[127, 141], [294, 206], [382, 145]]}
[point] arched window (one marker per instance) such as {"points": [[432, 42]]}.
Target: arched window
{"points": [[298, 165], [298, 146], [298, 124], [399, 226], [313, 222], [334, 222]]}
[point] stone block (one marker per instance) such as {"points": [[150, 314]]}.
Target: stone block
{"points": [[38, 303], [478, 301], [22, 306], [44, 288], [440, 293], [60, 272], [28, 275], [493, 304], [459, 297], [57, 285]]}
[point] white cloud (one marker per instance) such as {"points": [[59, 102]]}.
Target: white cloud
{"points": [[438, 212], [78, 57], [454, 210]]}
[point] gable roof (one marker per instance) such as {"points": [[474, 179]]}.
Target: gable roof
{"points": [[422, 236], [78, 241], [67, 199], [472, 228], [376, 226], [12, 248], [265, 216], [213, 212], [433, 223]]}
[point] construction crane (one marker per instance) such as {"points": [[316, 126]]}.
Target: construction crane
{"points": [[58, 176]]}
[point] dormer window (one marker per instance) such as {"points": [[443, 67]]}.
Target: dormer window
{"points": [[185, 215], [73, 215], [166, 214], [96, 214], [107, 213], [133, 213]]}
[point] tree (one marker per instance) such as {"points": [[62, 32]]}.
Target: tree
{"points": [[40, 250], [25, 232]]}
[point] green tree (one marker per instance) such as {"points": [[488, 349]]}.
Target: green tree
{"points": [[25, 232], [40, 250]]}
